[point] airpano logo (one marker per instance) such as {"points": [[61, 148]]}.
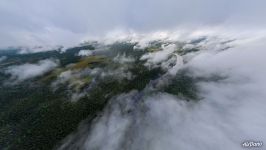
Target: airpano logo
{"points": [[252, 144]]}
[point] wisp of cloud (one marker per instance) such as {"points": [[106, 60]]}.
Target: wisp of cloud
{"points": [[230, 111], [26, 71]]}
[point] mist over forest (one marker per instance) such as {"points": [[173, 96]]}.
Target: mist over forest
{"points": [[132, 75]]}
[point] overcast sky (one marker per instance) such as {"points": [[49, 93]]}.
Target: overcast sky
{"points": [[53, 22]]}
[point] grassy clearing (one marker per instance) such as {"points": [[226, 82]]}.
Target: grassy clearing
{"points": [[89, 62]]}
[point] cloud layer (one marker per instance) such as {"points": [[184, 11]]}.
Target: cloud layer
{"points": [[36, 22], [230, 112], [26, 71]]}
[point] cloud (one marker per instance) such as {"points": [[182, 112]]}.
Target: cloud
{"points": [[85, 53], [123, 59], [230, 112], [36, 22], [157, 57], [36, 49], [26, 71]]}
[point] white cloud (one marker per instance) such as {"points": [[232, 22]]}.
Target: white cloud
{"points": [[36, 49], [36, 22], [85, 53], [230, 111], [28, 70], [154, 58], [123, 59], [166, 58]]}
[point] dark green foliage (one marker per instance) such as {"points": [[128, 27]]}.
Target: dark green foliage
{"points": [[35, 116], [143, 76], [184, 86], [125, 48], [186, 51], [70, 56]]}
